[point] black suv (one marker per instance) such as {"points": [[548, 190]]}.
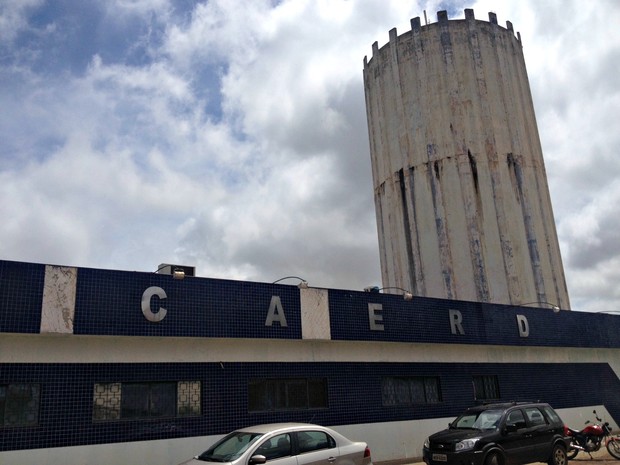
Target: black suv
{"points": [[500, 434]]}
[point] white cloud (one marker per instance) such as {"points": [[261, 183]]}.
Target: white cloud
{"points": [[13, 17], [235, 138]]}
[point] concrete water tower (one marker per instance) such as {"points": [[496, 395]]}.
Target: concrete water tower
{"points": [[461, 195]]}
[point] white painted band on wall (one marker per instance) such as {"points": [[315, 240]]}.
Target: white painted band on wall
{"points": [[58, 306]]}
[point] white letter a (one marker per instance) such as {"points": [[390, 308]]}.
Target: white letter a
{"points": [[275, 313]]}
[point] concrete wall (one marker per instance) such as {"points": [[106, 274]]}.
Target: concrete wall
{"points": [[462, 201]]}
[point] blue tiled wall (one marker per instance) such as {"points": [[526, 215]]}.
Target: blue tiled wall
{"points": [[109, 303], [21, 295], [354, 395], [427, 320]]}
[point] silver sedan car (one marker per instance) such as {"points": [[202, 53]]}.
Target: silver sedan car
{"points": [[285, 444]]}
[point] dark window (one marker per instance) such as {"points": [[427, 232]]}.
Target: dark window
{"points": [[310, 441], [553, 417], [516, 419], [287, 394], [535, 416], [317, 393], [145, 400], [275, 447], [486, 387], [114, 401], [19, 404], [410, 390]]}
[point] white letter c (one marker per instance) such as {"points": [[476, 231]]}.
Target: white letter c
{"points": [[146, 304]]}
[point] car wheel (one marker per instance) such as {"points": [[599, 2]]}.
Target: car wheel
{"points": [[558, 455], [493, 458]]}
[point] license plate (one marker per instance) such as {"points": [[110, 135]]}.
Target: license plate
{"points": [[440, 457]]}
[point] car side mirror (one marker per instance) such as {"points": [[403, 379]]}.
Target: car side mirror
{"points": [[257, 459], [511, 428]]}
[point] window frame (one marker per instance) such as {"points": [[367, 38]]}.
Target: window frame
{"points": [[287, 394], [488, 383], [112, 400], [148, 400], [428, 383], [31, 407]]}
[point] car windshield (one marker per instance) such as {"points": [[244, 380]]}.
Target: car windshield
{"points": [[230, 447], [485, 419]]}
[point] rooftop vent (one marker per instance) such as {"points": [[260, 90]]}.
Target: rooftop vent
{"points": [[176, 271]]}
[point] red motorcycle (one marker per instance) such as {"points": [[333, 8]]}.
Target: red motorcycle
{"points": [[591, 438]]}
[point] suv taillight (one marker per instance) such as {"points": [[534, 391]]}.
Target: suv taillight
{"points": [[367, 452], [566, 431]]}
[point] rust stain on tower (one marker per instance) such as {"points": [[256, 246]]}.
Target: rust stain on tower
{"points": [[461, 195]]}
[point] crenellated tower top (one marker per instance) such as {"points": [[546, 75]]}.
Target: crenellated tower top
{"points": [[442, 20]]}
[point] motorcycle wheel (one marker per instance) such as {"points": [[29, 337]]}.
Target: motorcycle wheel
{"points": [[571, 453], [613, 447]]}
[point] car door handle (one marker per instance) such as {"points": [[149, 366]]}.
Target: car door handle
{"points": [[331, 459]]}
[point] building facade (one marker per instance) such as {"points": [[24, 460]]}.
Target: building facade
{"points": [[105, 367], [100, 365], [461, 194]]}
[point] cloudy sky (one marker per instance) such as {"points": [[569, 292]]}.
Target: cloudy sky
{"points": [[231, 134]]}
